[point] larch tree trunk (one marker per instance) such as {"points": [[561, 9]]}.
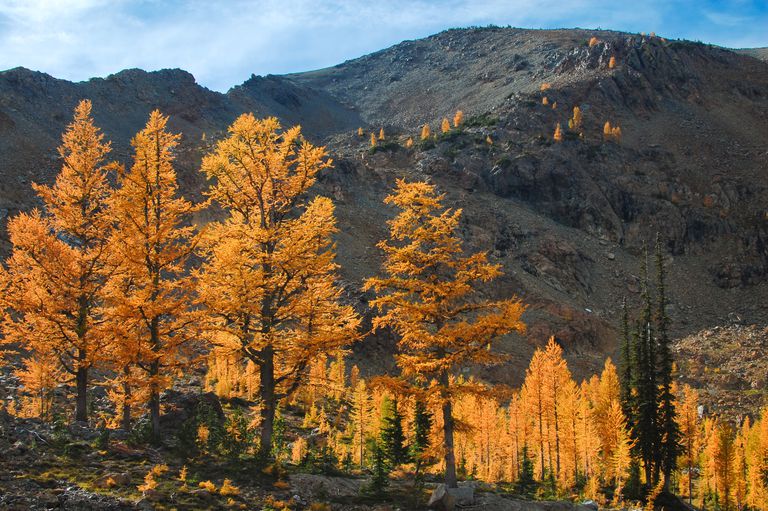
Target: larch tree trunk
{"points": [[268, 401], [81, 381], [450, 455], [126, 418]]}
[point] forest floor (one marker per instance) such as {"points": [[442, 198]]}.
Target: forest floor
{"points": [[54, 466]]}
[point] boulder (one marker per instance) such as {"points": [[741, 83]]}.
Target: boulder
{"points": [[441, 499], [181, 406], [464, 495]]}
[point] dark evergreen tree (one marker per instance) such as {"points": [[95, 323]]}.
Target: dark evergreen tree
{"points": [[633, 489], [627, 368], [422, 423], [380, 473], [669, 433], [646, 380], [526, 483], [647, 391], [392, 436]]}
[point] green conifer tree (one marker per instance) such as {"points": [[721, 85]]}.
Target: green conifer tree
{"points": [[647, 390], [669, 433], [422, 423], [627, 367], [392, 436], [380, 477], [525, 484]]}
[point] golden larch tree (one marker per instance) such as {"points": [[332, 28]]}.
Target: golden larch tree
{"points": [[607, 130], [268, 281], [149, 292], [612, 62], [617, 461], [740, 466], [39, 378], [359, 421], [373, 140], [425, 132], [558, 136], [757, 463], [409, 142], [557, 376], [53, 283], [578, 118], [689, 424], [360, 132], [428, 296], [445, 126], [381, 134], [458, 118], [723, 462]]}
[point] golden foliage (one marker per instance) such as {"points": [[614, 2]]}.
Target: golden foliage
{"points": [[381, 134], [577, 118], [54, 276], [425, 132], [268, 283], [150, 483], [593, 41], [611, 132], [428, 297], [558, 136], [612, 62], [409, 142], [445, 126], [207, 485], [360, 132], [228, 489], [544, 101], [38, 378], [458, 118], [545, 86], [148, 295], [373, 140]]}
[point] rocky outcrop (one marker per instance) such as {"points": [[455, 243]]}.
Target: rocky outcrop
{"points": [[566, 221]]}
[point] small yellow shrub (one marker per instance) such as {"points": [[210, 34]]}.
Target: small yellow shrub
{"points": [[208, 485], [227, 488]]}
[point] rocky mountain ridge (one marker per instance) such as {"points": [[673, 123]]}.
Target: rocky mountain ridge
{"points": [[566, 220]]}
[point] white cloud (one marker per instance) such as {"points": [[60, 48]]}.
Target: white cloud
{"points": [[223, 42]]}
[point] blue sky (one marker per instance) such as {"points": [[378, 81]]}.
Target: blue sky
{"points": [[223, 42]]}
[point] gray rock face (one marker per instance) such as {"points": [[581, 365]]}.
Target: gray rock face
{"points": [[464, 495], [180, 406], [442, 499], [691, 163]]}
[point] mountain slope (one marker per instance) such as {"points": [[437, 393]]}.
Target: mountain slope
{"points": [[567, 221]]}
